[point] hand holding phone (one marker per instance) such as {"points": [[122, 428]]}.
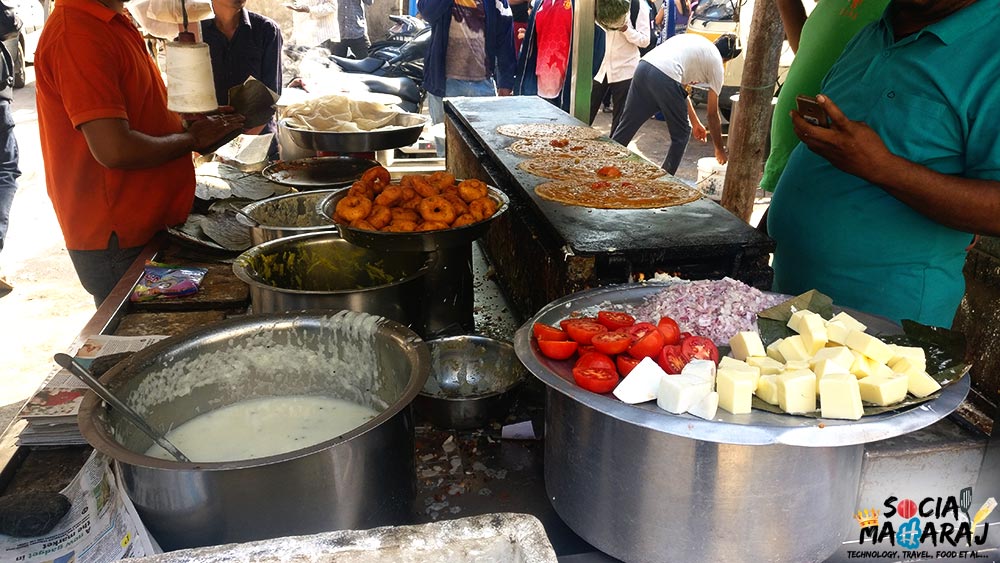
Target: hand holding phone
{"points": [[811, 111]]}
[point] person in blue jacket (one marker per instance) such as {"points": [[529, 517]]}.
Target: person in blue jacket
{"points": [[471, 51]]}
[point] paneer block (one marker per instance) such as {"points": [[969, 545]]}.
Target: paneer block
{"points": [[869, 346], [767, 388], [839, 354], [879, 369], [766, 364], [746, 344], [812, 329], [727, 362], [907, 365], [849, 321], [792, 348], [641, 384], [883, 390], [678, 393], [702, 369], [795, 321], [837, 332], [797, 391], [919, 384], [827, 367], [861, 367], [752, 373], [840, 396], [772, 350], [735, 390], [914, 355], [706, 407], [791, 365]]}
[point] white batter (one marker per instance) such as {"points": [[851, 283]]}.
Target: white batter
{"points": [[264, 427]]}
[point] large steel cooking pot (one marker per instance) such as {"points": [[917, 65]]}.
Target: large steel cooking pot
{"points": [[323, 271], [287, 215], [642, 484], [361, 479]]}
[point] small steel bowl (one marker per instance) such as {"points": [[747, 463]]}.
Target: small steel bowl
{"points": [[472, 382]]}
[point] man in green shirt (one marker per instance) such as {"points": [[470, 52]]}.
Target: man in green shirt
{"points": [[878, 209], [817, 41]]}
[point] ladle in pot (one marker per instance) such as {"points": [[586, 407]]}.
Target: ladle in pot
{"points": [[245, 215], [103, 392]]}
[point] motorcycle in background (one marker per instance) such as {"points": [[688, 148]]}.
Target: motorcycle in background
{"points": [[401, 75]]}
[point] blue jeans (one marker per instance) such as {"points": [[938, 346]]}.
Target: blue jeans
{"points": [[9, 170], [100, 270], [453, 88]]}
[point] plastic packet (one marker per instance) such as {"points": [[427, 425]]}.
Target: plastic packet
{"points": [[161, 281]]}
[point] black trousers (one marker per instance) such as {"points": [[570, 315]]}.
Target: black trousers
{"points": [[619, 91]]}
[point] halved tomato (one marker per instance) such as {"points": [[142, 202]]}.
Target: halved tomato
{"points": [[611, 343], [583, 331], [615, 319], [670, 359], [699, 347], [557, 349], [597, 380], [669, 329], [563, 323], [649, 344], [595, 360], [625, 364], [543, 331]]}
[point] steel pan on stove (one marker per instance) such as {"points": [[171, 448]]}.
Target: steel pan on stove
{"points": [[405, 130], [642, 484], [318, 172]]}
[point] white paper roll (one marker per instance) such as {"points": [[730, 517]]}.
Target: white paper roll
{"points": [[190, 86]]}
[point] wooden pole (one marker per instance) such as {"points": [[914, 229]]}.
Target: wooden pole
{"points": [[749, 131], [582, 73]]}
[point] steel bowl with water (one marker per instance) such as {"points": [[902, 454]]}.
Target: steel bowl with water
{"points": [[323, 271], [472, 382], [360, 479]]}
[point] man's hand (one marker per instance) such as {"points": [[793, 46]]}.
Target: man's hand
{"points": [[698, 131], [851, 146], [208, 131], [505, 92], [297, 7], [721, 156]]}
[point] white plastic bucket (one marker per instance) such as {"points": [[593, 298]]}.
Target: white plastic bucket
{"points": [[711, 177]]}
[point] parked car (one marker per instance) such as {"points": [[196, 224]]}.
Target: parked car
{"points": [[30, 18], [711, 19]]}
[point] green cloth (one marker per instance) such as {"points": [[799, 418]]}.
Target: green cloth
{"points": [[828, 28], [932, 98]]}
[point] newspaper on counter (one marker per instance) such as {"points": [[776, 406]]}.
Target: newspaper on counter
{"points": [[101, 525], [51, 411]]}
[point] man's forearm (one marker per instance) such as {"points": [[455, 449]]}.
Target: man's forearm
{"points": [[715, 129], [793, 17]]}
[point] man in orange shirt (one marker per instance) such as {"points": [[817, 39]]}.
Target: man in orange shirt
{"points": [[117, 162]]}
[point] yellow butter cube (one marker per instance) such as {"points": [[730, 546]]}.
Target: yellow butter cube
{"points": [[795, 321], [827, 367], [733, 363], [837, 332], [914, 356], [869, 346], [884, 390], [907, 365], [792, 365], [797, 391], [745, 344], [879, 369], [750, 372], [839, 354], [792, 348], [861, 366], [840, 396], [735, 390], [765, 364], [813, 332], [772, 350], [849, 321], [919, 384], [767, 388]]}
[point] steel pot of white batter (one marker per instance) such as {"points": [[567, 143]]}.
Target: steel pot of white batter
{"points": [[360, 479]]}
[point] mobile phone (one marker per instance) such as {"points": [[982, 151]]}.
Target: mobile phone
{"points": [[811, 111]]}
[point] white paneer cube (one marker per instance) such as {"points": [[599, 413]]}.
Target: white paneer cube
{"points": [[907, 365], [735, 390], [914, 356], [812, 329], [840, 396], [792, 365], [795, 321], [767, 388], [861, 366], [792, 348], [745, 344], [849, 321], [728, 362], [919, 384], [878, 368], [641, 384], [839, 354], [884, 390], [678, 393], [766, 364], [837, 332], [772, 350], [869, 346], [797, 391], [702, 369], [826, 366], [752, 373], [706, 407]]}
